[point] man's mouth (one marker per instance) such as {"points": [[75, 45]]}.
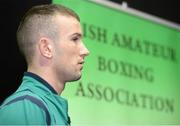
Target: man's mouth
{"points": [[81, 64]]}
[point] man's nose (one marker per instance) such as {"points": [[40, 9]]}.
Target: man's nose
{"points": [[84, 51]]}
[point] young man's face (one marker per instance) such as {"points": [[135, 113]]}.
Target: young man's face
{"points": [[69, 50]]}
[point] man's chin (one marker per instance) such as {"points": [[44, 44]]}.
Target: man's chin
{"points": [[76, 78]]}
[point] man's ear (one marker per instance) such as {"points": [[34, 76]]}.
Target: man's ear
{"points": [[45, 47]]}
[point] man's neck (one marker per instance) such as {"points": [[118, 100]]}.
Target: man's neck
{"points": [[50, 78]]}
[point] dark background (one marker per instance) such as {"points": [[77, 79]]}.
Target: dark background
{"points": [[166, 9], [12, 64]]}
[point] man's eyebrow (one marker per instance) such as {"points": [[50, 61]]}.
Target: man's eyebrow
{"points": [[77, 34]]}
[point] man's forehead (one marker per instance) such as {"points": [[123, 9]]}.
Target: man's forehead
{"points": [[69, 18], [68, 25]]}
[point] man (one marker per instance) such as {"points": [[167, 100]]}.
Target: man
{"points": [[50, 38]]}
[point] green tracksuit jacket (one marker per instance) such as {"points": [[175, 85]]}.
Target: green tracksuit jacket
{"points": [[34, 103]]}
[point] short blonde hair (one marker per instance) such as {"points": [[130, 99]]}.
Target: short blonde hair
{"points": [[39, 21]]}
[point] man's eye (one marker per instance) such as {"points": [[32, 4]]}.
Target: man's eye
{"points": [[75, 39]]}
